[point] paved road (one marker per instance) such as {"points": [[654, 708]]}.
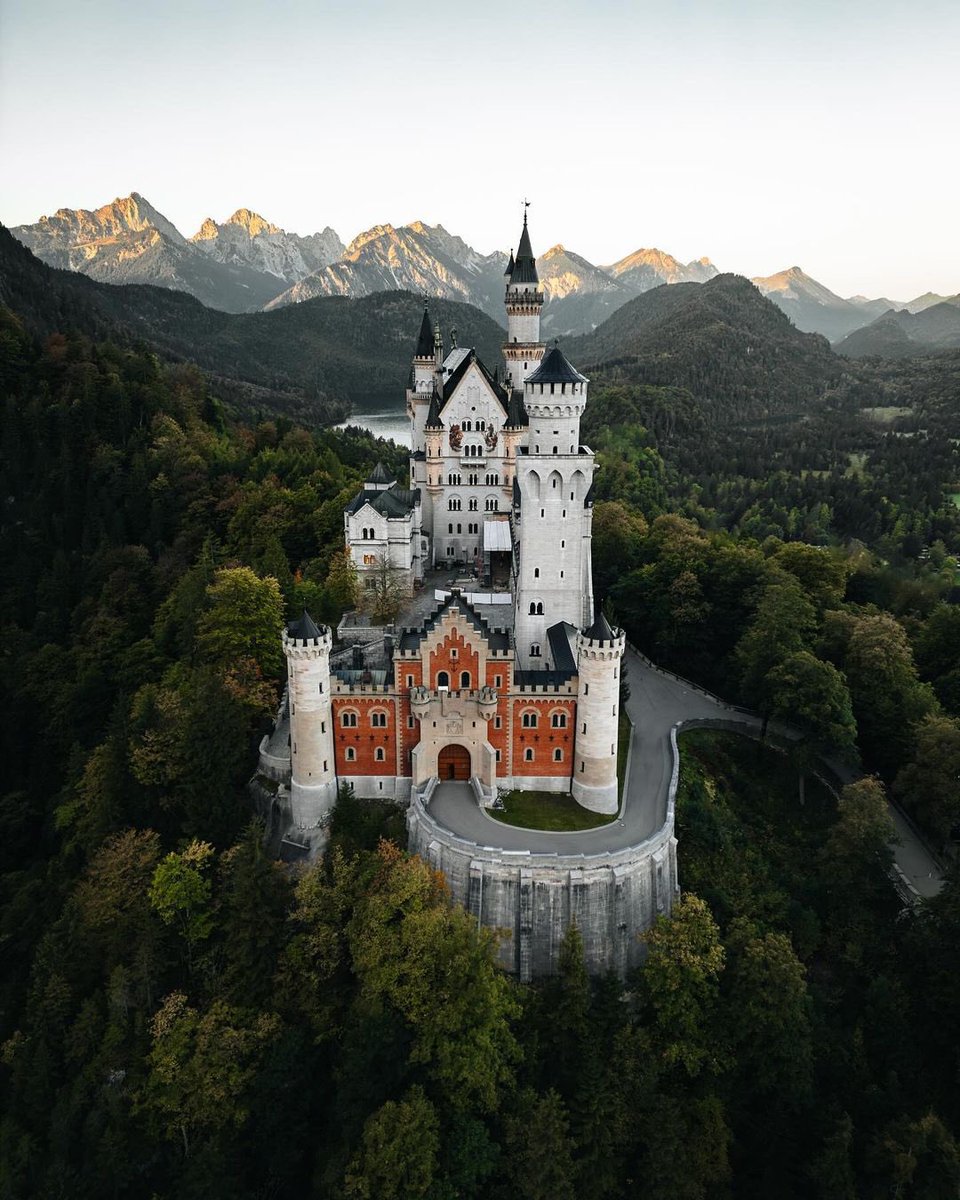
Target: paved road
{"points": [[657, 702]]}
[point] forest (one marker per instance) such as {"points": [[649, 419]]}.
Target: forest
{"points": [[180, 1015]]}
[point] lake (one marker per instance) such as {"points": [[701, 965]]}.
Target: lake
{"points": [[392, 423]]}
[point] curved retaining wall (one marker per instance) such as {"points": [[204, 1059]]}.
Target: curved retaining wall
{"points": [[531, 899]]}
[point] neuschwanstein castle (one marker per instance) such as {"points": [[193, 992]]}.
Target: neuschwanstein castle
{"points": [[512, 681]]}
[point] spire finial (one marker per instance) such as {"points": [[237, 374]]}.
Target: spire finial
{"points": [[526, 205]]}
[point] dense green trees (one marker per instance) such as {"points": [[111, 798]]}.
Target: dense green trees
{"points": [[180, 1015]]}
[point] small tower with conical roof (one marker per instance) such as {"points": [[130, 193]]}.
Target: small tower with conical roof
{"points": [[524, 301], [313, 784], [421, 385], [599, 659]]}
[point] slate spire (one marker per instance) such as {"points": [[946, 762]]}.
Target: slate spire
{"points": [[425, 340], [525, 266], [600, 630]]}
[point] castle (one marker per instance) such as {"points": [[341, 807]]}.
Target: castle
{"points": [[509, 678]]}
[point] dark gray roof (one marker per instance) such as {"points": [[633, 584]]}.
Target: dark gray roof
{"points": [[379, 474], [496, 639], [517, 417], [433, 416], [556, 369], [525, 266], [510, 265], [394, 502], [561, 652], [600, 630], [303, 628], [425, 347]]}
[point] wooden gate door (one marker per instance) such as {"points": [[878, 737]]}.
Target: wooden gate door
{"points": [[454, 763]]}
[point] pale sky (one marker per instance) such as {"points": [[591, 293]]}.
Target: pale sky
{"points": [[759, 133]]}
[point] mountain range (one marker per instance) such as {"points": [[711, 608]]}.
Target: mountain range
{"points": [[312, 361], [246, 264]]}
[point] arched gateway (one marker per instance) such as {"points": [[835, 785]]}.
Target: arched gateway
{"points": [[453, 762]]}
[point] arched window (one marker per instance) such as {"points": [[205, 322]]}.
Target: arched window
{"points": [[558, 755], [467, 427], [528, 754], [453, 504], [378, 720], [350, 754], [529, 720], [492, 504], [443, 679], [379, 754], [348, 720], [559, 720], [535, 650], [465, 680], [472, 503]]}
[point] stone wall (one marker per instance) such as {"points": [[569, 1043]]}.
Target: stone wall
{"points": [[531, 899]]}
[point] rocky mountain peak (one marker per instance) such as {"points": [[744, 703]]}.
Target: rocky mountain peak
{"points": [[369, 235], [252, 222]]}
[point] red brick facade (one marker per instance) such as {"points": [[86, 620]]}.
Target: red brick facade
{"points": [[532, 733]]}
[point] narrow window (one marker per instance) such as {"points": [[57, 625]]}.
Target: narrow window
{"points": [[379, 754], [497, 723], [528, 754], [498, 755], [443, 679], [584, 729], [351, 754], [465, 680], [558, 755]]}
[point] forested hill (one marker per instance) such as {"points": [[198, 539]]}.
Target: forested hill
{"points": [[728, 345], [316, 359]]}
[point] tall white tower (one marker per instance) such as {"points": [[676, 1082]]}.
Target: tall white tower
{"points": [[313, 785], [523, 349], [553, 522], [599, 654]]}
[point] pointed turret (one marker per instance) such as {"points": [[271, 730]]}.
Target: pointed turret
{"points": [[524, 301], [433, 416], [525, 265], [600, 630], [556, 368], [303, 629], [425, 339]]}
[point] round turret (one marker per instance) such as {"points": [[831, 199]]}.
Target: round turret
{"points": [[313, 785], [599, 653]]}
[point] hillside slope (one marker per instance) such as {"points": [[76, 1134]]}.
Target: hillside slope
{"points": [[905, 334], [326, 355], [721, 340]]}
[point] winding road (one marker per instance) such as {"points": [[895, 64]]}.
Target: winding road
{"points": [[658, 702]]}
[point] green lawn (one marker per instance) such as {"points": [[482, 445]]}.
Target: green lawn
{"points": [[546, 810]]}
